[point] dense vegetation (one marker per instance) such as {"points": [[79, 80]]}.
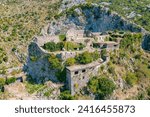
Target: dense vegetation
{"points": [[70, 61], [10, 80], [130, 52], [131, 79], [87, 57], [32, 88], [101, 87], [19, 21], [136, 11], [65, 95], [55, 63], [51, 46]]}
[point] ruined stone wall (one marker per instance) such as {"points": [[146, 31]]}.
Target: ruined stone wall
{"points": [[66, 55], [78, 79], [41, 40]]}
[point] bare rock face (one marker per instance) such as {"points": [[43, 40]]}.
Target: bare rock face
{"points": [[37, 66], [93, 18]]}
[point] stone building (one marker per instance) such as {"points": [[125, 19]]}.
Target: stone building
{"points": [[64, 55], [73, 34], [79, 75], [41, 40]]}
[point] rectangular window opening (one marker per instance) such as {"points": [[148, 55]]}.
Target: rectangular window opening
{"points": [[76, 72]]}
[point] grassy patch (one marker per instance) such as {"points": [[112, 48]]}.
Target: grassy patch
{"points": [[31, 88]]}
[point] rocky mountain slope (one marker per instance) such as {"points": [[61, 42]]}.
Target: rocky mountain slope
{"points": [[16, 32]]}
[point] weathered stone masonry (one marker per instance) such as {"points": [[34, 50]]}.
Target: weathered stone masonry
{"points": [[79, 75]]}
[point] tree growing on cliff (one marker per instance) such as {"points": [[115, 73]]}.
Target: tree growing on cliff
{"points": [[101, 87], [55, 63]]}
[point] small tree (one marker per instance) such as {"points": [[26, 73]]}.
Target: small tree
{"points": [[101, 87], [85, 58], [55, 62], [51, 46], [70, 45]]}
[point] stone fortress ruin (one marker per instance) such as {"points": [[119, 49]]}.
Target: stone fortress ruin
{"points": [[77, 75]]}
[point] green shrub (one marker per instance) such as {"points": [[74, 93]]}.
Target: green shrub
{"points": [[51, 46], [10, 80], [31, 88], [13, 49], [59, 46], [129, 39], [33, 58], [101, 87], [111, 68], [70, 61], [70, 46], [66, 96], [85, 58], [5, 27], [142, 70], [141, 96], [81, 46], [61, 75], [95, 55], [55, 63], [103, 54], [62, 37], [48, 93], [131, 78]]}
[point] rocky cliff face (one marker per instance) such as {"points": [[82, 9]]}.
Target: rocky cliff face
{"points": [[93, 18], [38, 67]]}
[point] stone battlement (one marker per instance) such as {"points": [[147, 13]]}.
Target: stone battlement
{"points": [[77, 76]]}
